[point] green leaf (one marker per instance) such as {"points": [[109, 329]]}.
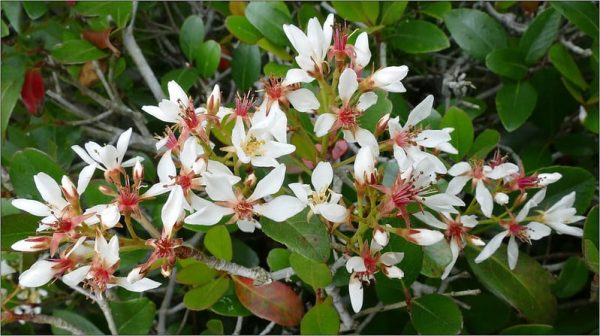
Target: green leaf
{"points": [[574, 179], [17, 227], [134, 316], [583, 14], [76, 320], [244, 254], [195, 274], [205, 296], [245, 67], [268, 19], [372, 115], [507, 62], [564, 63], [485, 142], [13, 76], [515, 103], [392, 11], [191, 36], [554, 102], [76, 51], [4, 31], [322, 319], [208, 58], [313, 273], [35, 9], [242, 29], [12, 10], [436, 9], [487, 315], [358, 11], [527, 287], [540, 34], [213, 327], [590, 239], [418, 37], [463, 134], [119, 11], [218, 242], [435, 259], [278, 51], [573, 277], [27, 163], [278, 259], [476, 33], [436, 314], [529, 329], [590, 251], [307, 238], [230, 305], [184, 77], [276, 69]]}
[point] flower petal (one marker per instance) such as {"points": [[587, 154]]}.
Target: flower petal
{"points": [[33, 207], [218, 188], [355, 289], [429, 219], [322, 176], [513, 252], [173, 209], [491, 247], [141, 285], [49, 190], [294, 76], [484, 198], [324, 123], [85, 176], [420, 112], [122, 144], [280, 208], [270, 184], [392, 258], [355, 264], [347, 85], [303, 100], [73, 278], [366, 100], [333, 212]]}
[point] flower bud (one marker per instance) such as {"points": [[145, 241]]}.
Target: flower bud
{"points": [[382, 125], [381, 235], [138, 172], [32, 244], [421, 237], [135, 275], [214, 101], [69, 190], [106, 190], [501, 198], [250, 181]]}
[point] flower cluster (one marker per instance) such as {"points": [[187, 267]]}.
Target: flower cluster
{"points": [[239, 164]]}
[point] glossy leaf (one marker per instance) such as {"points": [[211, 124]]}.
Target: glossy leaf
{"points": [[436, 314], [435, 259], [230, 305], [213, 327], [118, 11], [134, 316], [358, 11], [564, 63], [275, 302], [12, 10], [13, 76], [392, 11], [76, 51], [184, 77], [242, 29], [309, 239], [463, 134], [576, 179], [418, 36], [554, 102], [436, 9], [529, 329], [507, 63], [372, 115], [484, 143], [540, 35], [487, 315], [245, 67], [35, 9], [191, 36], [573, 277], [476, 32], [527, 287], [196, 274], [77, 321], [583, 14], [207, 58], [322, 319], [218, 242], [27, 163], [268, 18], [515, 103], [278, 259], [17, 227], [313, 273], [203, 297]]}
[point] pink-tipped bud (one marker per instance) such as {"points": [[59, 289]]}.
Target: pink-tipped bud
{"points": [[382, 125], [421, 237], [250, 181], [213, 103], [135, 275], [32, 244], [138, 172], [106, 190], [381, 235]]}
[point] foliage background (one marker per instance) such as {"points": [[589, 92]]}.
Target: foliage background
{"points": [[519, 75]]}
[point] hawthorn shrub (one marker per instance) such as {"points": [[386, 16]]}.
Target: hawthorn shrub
{"points": [[306, 168]]}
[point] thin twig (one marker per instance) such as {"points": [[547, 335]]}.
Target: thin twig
{"points": [[268, 328], [238, 325], [164, 306], [90, 120], [575, 48], [103, 304], [176, 308], [508, 19], [100, 75], [367, 320]]}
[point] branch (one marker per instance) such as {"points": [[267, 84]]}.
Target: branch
{"points": [[238, 325], [575, 48], [51, 320], [508, 20], [268, 328], [164, 307], [103, 304], [138, 58]]}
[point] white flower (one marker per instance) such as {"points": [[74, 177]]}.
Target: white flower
{"points": [[514, 229], [479, 174], [257, 147], [389, 78], [322, 200], [362, 51], [6, 269], [408, 139], [560, 215], [100, 273], [501, 198], [363, 269], [547, 179], [287, 91], [423, 237], [311, 47], [364, 167], [228, 202]]}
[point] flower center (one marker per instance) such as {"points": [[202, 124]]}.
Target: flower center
{"points": [[128, 199], [347, 117], [185, 181], [402, 139], [243, 104], [370, 263], [320, 197], [519, 231], [403, 194], [455, 230], [274, 89], [527, 182], [244, 210], [190, 117], [253, 146]]}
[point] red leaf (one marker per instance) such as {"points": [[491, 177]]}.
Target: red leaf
{"points": [[32, 92], [101, 40], [275, 302]]}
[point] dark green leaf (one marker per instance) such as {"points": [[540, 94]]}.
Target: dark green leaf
{"points": [[436, 314], [205, 296], [322, 319], [308, 238], [554, 101], [372, 115], [218, 242], [392, 11], [76, 320], [540, 34], [207, 58], [278, 259], [485, 142], [230, 305], [475, 32], [487, 315], [463, 134], [313, 273], [564, 63], [529, 329], [436, 9], [76, 51], [527, 287], [27, 163], [119, 11], [4, 31], [17, 227], [435, 259], [515, 103], [245, 67], [574, 179], [13, 75], [12, 10], [583, 14], [35, 9], [358, 11], [572, 278], [134, 316], [184, 77], [271, 47], [191, 36], [590, 229], [590, 252], [507, 62], [268, 18], [244, 254], [242, 29], [418, 36]]}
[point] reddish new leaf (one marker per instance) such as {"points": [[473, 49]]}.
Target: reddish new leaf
{"points": [[101, 40], [275, 302], [32, 92]]}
